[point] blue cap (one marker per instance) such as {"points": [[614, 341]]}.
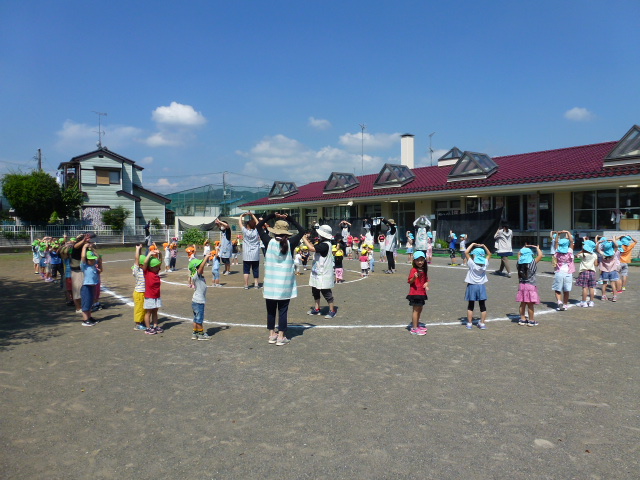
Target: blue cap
{"points": [[607, 249], [589, 246], [479, 255], [429, 234], [563, 245], [526, 255], [418, 254]]}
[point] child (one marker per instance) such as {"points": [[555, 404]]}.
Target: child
{"points": [[297, 261], [453, 239], [234, 252], [626, 244], [609, 266], [587, 276], [206, 252], [409, 247], [191, 254], [418, 287], [152, 299], [167, 257], [527, 286], [196, 267], [138, 290], [174, 256], [55, 262], [88, 267], [430, 247], [364, 263], [476, 279], [463, 247], [563, 278], [381, 239], [64, 254], [35, 249], [215, 267], [372, 258], [356, 246], [305, 256], [338, 254]]}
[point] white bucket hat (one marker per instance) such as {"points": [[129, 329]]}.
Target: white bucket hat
{"points": [[325, 231]]}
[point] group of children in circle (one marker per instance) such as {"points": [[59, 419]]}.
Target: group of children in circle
{"points": [[611, 256]]}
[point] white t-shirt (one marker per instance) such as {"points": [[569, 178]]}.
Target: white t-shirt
{"points": [[477, 274]]}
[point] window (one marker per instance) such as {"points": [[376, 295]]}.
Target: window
{"points": [[282, 189], [107, 177], [595, 210], [471, 166], [627, 150], [338, 213], [393, 176], [340, 182]]}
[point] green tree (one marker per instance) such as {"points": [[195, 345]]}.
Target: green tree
{"points": [[193, 236], [71, 201], [34, 196], [116, 217]]}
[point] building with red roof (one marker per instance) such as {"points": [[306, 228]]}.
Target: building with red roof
{"points": [[588, 188]]}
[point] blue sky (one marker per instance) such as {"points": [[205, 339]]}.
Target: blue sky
{"points": [[276, 90]]}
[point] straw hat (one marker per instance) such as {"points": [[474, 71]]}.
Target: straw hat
{"points": [[281, 227]]}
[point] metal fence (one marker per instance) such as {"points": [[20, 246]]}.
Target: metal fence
{"points": [[23, 235]]}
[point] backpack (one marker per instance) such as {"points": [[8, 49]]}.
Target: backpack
{"points": [[523, 271]]}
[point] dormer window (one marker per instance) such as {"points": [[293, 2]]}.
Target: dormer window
{"points": [[472, 166], [451, 157], [393, 176], [627, 149], [282, 190], [340, 182]]}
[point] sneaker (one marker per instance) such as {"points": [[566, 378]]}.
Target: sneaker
{"points": [[194, 336], [591, 304], [150, 331], [523, 321], [583, 304], [314, 311], [418, 331], [204, 336], [246, 288], [564, 307], [620, 291], [599, 282], [79, 311], [282, 341], [615, 298], [624, 289], [48, 280], [482, 326], [158, 329], [469, 326], [273, 339], [89, 323], [508, 275], [560, 307], [533, 324], [603, 298], [332, 314], [139, 326]]}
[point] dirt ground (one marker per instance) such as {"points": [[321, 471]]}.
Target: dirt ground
{"points": [[354, 397]]}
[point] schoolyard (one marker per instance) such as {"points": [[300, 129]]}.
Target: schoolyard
{"points": [[354, 397]]}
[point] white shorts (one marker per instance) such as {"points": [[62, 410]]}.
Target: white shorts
{"points": [[152, 303]]}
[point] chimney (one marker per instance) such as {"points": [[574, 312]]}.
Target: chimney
{"points": [[406, 150]]}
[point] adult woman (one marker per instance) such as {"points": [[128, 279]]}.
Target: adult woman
{"points": [[250, 250], [225, 245], [503, 239], [322, 278], [279, 285], [391, 244]]}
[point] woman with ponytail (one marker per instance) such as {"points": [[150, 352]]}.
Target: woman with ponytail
{"points": [[279, 285]]}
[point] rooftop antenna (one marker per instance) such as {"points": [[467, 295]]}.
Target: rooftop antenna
{"points": [[99, 132], [363, 128], [431, 149]]}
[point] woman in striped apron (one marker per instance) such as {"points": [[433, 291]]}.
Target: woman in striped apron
{"points": [[279, 285]]}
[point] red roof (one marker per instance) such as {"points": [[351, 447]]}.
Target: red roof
{"points": [[563, 164]]}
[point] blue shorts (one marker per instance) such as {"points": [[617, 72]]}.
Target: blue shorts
{"points": [[624, 269], [216, 274], [86, 294], [198, 312], [610, 276], [562, 282]]}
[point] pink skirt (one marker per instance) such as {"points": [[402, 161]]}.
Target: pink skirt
{"points": [[528, 293]]}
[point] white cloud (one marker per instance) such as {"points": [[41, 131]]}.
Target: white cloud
{"points": [[377, 141], [319, 123], [162, 183], [283, 158], [179, 115], [80, 136], [579, 114], [147, 160], [165, 139]]}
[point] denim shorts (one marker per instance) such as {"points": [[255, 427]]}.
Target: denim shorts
{"points": [[610, 276], [198, 312], [562, 282], [624, 269], [86, 294]]}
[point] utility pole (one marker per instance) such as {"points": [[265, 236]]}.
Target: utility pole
{"points": [[362, 127], [223, 209], [431, 149], [39, 160]]}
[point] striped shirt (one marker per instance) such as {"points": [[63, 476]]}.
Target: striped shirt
{"points": [[279, 274], [139, 275]]}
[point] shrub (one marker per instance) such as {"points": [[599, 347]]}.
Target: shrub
{"points": [[116, 217], [193, 236]]}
